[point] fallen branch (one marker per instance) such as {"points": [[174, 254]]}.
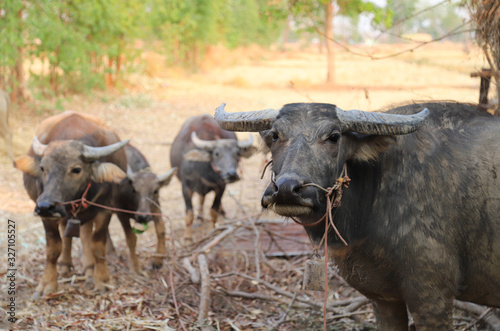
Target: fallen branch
{"points": [[483, 312], [193, 273], [205, 290], [206, 248], [257, 235], [285, 314], [175, 299], [278, 290]]}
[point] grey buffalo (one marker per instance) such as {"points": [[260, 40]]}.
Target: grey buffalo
{"points": [[207, 158], [421, 217]]}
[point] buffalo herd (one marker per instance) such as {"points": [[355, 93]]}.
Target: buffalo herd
{"points": [[407, 199]]}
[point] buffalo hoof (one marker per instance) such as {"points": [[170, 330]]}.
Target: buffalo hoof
{"points": [[88, 272], [135, 268], [157, 264], [65, 269], [102, 286], [44, 289]]}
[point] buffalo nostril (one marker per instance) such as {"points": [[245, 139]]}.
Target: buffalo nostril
{"points": [[43, 205], [289, 185], [45, 208]]}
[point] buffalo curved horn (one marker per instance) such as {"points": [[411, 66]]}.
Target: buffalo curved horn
{"points": [[249, 121], [38, 147], [130, 172], [93, 153], [207, 145], [246, 143], [371, 123], [167, 175]]}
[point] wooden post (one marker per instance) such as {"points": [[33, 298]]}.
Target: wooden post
{"points": [[485, 75]]}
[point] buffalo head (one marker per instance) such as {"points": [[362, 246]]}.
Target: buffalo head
{"points": [[310, 143], [144, 188], [65, 168], [223, 154]]}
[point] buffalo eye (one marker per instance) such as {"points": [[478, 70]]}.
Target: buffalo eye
{"points": [[274, 136], [76, 170], [42, 169], [155, 191], [334, 138], [216, 154]]}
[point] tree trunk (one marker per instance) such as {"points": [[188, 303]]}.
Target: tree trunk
{"points": [[330, 76], [286, 33], [18, 91]]}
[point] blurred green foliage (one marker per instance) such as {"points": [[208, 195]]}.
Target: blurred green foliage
{"points": [[76, 46], [79, 44]]}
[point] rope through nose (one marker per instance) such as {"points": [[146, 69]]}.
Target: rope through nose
{"points": [[333, 200]]}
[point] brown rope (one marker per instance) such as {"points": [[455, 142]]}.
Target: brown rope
{"points": [[333, 200], [77, 204]]}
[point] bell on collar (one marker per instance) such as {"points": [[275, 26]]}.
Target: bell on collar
{"points": [[314, 274], [72, 228]]}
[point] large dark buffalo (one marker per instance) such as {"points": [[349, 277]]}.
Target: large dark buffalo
{"points": [[140, 192], [73, 153], [207, 158], [422, 213]]}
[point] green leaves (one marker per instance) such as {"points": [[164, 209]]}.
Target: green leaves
{"points": [[79, 42]]}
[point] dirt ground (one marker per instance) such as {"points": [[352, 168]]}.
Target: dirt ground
{"points": [[149, 112]]}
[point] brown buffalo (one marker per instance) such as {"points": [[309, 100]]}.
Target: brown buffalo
{"points": [[139, 192], [73, 153]]}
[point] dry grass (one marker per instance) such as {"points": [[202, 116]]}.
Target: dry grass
{"points": [[149, 113]]}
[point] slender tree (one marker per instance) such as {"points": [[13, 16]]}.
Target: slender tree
{"points": [[318, 15]]}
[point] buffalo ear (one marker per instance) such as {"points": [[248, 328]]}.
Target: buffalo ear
{"points": [[247, 152], [28, 165], [167, 177], [106, 172], [266, 137], [368, 147], [197, 155]]}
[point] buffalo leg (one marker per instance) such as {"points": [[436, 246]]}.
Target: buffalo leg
{"points": [[48, 283], [391, 315], [65, 262], [7, 137], [216, 207], [98, 248], [188, 195], [110, 248], [160, 247], [433, 312], [429, 293], [131, 239], [86, 239], [200, 207]]}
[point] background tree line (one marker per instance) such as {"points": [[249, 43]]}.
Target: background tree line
{"points": [[79, 45]]}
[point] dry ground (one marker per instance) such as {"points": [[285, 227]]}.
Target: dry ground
{"points": [[150, 111]]}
